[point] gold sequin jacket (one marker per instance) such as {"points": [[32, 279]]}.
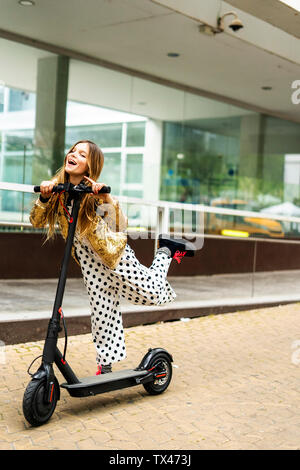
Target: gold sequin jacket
{"points": [[106, 235]]}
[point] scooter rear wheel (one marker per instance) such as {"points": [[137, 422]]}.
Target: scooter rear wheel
{"points": [[35, 408], [163, 379]]}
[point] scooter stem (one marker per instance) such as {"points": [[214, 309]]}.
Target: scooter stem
{"points": [[54, 323]]}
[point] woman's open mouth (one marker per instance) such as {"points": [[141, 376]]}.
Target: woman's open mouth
{"points": [[72, 162]]}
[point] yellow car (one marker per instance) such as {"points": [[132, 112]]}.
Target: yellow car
{"points": [[240, 226]]}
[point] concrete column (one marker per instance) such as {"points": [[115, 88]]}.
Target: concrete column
{"points": [[50, 121]]}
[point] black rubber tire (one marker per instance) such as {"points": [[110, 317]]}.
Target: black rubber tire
{"points": [[160, 385], [35, 409]]}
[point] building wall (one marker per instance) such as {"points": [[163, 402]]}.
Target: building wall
{"points": [[25, 256]]}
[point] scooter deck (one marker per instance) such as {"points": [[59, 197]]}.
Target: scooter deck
{"points": [[103, 383]]}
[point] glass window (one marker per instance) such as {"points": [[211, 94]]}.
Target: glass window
{"points": [[219, 151], [20, 100], [1, 98], [104, 135], [133, 193], [200, 155], [134, 168], [20, 162], [114, 132], [135, 134], [19, 141], [17, 157], [111, 173]]}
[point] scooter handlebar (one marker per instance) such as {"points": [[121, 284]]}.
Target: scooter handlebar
{"points": [[79, 189]]}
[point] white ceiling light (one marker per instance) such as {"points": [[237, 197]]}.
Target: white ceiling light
{"points": [[292, 3]]}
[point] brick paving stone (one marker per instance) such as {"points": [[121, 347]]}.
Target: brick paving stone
{"points": [[86, 444], [22, 444], [234, 386]]}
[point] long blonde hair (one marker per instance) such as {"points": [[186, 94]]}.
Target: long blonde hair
{"points": [[95, 162]]}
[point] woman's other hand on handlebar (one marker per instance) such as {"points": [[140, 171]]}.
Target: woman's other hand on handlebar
{"points": [[46, 188], [96, 188]]}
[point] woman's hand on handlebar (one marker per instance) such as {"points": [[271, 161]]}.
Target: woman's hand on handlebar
{"points": [[96, 188], [46, 188]]}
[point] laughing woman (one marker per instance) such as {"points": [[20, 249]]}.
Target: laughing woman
{"points": [[109, 266]]}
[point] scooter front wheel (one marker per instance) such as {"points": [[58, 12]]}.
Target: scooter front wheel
{"points": [[36, 409]]}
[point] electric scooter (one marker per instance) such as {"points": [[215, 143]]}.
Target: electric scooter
{"points": [[43, 391]]}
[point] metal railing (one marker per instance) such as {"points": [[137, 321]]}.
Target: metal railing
{"points": [[163, 209]]}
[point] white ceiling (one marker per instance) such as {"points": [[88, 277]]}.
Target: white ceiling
{"points": [[138, 34]]}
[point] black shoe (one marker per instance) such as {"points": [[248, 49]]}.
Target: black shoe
{"points": [[177, 246], [106, 369]]}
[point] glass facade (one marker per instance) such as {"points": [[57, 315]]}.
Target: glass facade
{"points": [[240, 160], [159, 143]]}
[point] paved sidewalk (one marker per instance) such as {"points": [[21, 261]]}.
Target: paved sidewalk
{"points": [[235, 385]]}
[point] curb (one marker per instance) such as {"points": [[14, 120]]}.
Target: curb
{"points": [[29, 330]]}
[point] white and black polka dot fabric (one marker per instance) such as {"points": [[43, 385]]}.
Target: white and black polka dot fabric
{"points": [[105, 287]]}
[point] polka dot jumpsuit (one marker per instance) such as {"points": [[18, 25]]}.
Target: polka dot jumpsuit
{"points": [[105, 286]]}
